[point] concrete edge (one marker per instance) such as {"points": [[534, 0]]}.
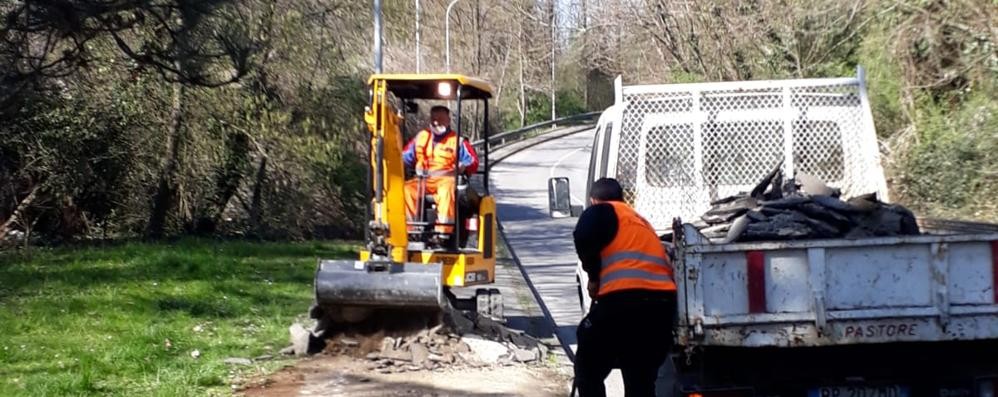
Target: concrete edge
{"points": [[537, 295]]}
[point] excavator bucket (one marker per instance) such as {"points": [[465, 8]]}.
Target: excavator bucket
{"points": [[373, 284]]}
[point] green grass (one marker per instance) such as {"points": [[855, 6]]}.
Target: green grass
{"points": [[89, 321]]}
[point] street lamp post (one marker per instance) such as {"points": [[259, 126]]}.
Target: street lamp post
{"points": [[447, 32], [377, 36], [417, 36]]}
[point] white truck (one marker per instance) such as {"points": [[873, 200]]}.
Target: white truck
{"points": [[902, 316]]}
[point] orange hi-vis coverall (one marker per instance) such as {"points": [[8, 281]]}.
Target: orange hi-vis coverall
{"points": [[436, 157]]}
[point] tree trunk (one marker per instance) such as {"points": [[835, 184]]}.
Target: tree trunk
{"points": [[502, 77], [28, 228], [478, 38], [586, 48], [523, 97], [165, 197], [256, 203], [227, 182], [476, 121], [554, 86]]}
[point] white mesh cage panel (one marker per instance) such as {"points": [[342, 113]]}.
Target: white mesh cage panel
{"points": [[685, 145]]}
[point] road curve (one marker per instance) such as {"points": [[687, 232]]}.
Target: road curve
{"points": [[544, 245]]}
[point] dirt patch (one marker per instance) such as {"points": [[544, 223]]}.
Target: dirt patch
{"points": [[325, 375], [453, 354], [399, 341]]}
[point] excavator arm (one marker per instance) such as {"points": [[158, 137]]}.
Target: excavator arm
{"points": [[387, 237], [382, 277]]}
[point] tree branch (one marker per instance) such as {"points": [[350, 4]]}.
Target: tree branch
{"points": [[15, 216]]}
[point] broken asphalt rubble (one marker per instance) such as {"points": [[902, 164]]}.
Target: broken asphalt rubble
{"points": [[461, 340], [801, 208]]}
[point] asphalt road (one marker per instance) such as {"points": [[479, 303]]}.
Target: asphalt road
{"points": [[543, 244]]}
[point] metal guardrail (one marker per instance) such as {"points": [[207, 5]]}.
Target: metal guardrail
{"points": [[505, 138]]}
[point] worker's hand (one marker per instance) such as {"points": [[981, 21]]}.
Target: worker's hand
{"points": [[593, 288]]}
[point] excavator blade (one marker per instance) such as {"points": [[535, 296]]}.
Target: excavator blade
{"points": [[371, 284]]}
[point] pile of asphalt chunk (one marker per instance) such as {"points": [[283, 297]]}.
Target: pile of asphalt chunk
{"points": [[460, 340], [799, 208]]}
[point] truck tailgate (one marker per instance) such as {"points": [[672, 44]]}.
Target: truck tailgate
{"points": [[835, 292]]}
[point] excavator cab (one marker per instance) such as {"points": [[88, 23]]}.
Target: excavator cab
{"points": [[468, 192], [403, 267]]}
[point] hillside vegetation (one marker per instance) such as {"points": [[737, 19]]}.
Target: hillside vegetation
{"points": [[243, 117]]}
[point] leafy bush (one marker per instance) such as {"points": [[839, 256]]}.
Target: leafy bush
{"points": [[951, 168]]}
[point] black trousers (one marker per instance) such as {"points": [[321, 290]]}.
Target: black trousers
{"points": [[632, 334]]}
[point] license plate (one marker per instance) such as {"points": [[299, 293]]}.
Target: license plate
{"points": [[860, 391]]}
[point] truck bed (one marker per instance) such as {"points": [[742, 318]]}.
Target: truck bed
{"points": [[940, 286]]}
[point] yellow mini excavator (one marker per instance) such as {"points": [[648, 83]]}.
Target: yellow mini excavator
{"points": [[404, 267]]}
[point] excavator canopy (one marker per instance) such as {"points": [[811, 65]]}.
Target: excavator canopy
{"points": [[434, 86]]}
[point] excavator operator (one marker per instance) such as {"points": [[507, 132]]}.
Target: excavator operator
{"points": [[436, 156]]}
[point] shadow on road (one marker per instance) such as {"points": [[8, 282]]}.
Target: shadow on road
{"points": [[516, 212], [535, 326]]}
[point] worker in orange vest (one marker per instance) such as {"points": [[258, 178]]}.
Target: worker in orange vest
{"points": [[629, 325], [436, 155]]}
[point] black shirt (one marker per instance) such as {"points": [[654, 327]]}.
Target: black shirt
{"points": [[597, 227]]}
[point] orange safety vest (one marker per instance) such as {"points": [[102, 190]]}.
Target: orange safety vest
{"points": [[635, 259], [436, 158]]}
